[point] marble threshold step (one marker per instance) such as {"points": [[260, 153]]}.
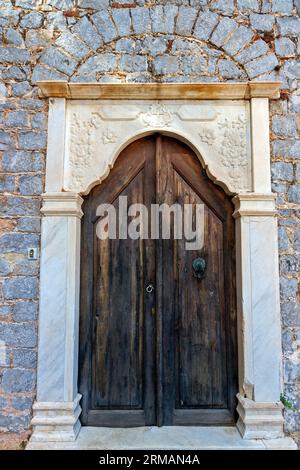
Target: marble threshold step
{"points": [[165, 438]]}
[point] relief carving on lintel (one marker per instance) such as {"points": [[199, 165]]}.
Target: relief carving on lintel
{"points": [[218, 130]]}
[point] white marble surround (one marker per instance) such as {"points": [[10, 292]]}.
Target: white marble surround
{"points": [[231, 138]]}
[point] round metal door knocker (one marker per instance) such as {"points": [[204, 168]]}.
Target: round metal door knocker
{"points": [[149, 288], [199, 267]]}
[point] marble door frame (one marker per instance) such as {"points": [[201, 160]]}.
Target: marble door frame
{"points": [[227, 125]]}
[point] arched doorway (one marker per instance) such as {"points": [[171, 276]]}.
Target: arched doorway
{"points": [[158, 320]]}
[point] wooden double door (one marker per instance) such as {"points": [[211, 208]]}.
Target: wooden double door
{"points": [[158, 343]]}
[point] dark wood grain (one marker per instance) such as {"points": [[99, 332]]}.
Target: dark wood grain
{"points": [[169, 357]]}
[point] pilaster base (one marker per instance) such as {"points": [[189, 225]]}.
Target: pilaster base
{"points": [[259, 420], [56, 421]]}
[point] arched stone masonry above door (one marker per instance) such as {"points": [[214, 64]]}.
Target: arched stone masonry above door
{"points": [[227, 126]]}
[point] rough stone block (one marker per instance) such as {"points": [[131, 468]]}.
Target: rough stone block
{"points": [[289, 26], [290, 340], [58, 60], [7, 183], [28, 224], [205, 24], [170, 14], [284, 126], [31, 185], [43, 73], [87, 33], [8, 16], [56, 21], [5, 140], [288, 288], [297, 173], [157, 19], [222, 31], [17, 119], [21, 266], [14, 55], [154, 46], [291, 69], [284, 47], [293, 195], [21, 403], [99, 63], [282, 171], [20, 89], [25, 358], [62, 4], [32, 140], [240, 38], [18, 380], [105, 26], [20, 288], [5, 311], [72, 45], [283, 240], [286, 148], [262, 22], [39, 121], [256, 49], [13, 37], [193, 65], [289, 264], [282, 6], [291, 370], [17, 206], [225, 7], [32, 103], [128, 45], [165, 64], [295, 103], [5, 270], [26, 4], [3, 91], [122, 21], [20, 335], [141, 21], [19, 423], [95, 4], [261, 65], [133, 63], [185, 20], [245, 5], [16, 161], [33, 20], [228, 69], [25, 311], [266, 6], [163, 18], [3, 403], [290, 312]]}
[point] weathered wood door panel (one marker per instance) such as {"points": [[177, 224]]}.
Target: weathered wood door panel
{"points": [[169, 356]]}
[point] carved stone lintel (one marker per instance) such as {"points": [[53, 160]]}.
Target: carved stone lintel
{"points": [[219, 132], [158, 115]]}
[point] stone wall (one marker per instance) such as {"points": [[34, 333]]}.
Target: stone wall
{"points": [[134, 41]]}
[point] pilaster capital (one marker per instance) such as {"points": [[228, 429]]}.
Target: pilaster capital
{"points": [[62, 204], [254, 204]]}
